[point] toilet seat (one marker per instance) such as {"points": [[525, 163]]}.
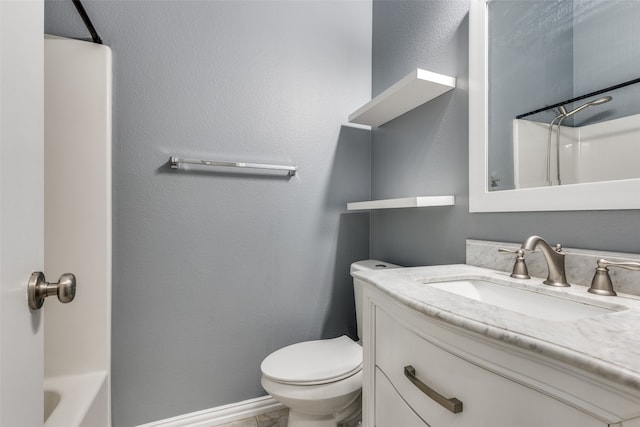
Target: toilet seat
{"points": [[314, 362]]}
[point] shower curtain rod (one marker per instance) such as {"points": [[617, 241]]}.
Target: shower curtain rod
{"points": [[87, 22], [580, 98]]}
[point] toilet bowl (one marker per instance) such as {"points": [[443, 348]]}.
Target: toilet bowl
{"points": [[320, 381]]}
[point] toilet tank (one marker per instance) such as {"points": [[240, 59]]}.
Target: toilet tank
{"points": [[368, 264]]}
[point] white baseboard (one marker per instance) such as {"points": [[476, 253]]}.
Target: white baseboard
{"points": [[221, 414]]}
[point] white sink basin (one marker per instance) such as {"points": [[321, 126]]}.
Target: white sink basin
{"points": [[524, 301]]}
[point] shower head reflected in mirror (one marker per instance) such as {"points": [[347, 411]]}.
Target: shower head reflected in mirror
{"points": [[599, 101], [557, 121], [563, 115]]}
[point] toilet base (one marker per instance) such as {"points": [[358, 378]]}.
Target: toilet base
{"points": [[349, 417]]}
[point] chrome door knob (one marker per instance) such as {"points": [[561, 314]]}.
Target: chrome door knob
{"points": [[38, 289]]}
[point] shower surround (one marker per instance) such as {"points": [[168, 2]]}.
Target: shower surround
{"points": [[603, 151]]}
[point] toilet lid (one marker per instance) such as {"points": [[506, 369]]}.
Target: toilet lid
{"points": [[314, 362]]}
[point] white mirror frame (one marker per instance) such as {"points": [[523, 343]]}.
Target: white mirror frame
{"points": [[610, 195]]}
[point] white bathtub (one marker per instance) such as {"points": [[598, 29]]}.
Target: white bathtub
{"points": [[76, 400]]}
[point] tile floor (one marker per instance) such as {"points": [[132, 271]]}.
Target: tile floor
{"points": [[277, 418]]}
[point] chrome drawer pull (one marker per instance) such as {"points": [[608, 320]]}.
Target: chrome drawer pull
{"points": [[453, 404]]}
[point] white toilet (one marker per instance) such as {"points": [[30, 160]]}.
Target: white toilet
{"points": [[320, 381]]}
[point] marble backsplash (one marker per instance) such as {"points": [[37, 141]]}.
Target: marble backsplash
{"points": [[580, 264]]}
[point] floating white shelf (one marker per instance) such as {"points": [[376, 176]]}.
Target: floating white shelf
{"points": [[415, 89], [406, 202]]}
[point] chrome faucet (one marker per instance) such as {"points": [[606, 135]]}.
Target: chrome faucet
{"points": [[553, 257]]}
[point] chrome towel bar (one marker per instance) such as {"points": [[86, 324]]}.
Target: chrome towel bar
{"points": [[176, 161]]}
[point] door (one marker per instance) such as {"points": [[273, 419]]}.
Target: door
{"points": [[21, 210]]}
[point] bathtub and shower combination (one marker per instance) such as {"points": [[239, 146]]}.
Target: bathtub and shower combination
{"points": [[78, 135]]}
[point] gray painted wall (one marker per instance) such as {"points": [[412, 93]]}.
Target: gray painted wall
{"points": [[214, 270], [424, 152]]}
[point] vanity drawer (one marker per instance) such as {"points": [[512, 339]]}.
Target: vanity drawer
{"points": [[487, 398], [391, 410]]}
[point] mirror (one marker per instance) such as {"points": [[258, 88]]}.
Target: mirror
{"points": [[528, 55]]}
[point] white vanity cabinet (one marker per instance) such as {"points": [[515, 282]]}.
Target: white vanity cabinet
{"points": [[487, 399], [498, 386]]}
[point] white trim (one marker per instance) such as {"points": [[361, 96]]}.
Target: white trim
{"points": [[608, 195], [221, 414]]}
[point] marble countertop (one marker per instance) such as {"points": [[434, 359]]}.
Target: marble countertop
{"points": [[607, 345]]}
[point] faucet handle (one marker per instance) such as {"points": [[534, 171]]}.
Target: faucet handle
{"points": [[601, 283], [629, 265], [520, 270]]}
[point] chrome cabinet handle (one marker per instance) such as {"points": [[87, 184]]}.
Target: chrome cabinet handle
{"points": [[452, 404], [38, 289]]}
